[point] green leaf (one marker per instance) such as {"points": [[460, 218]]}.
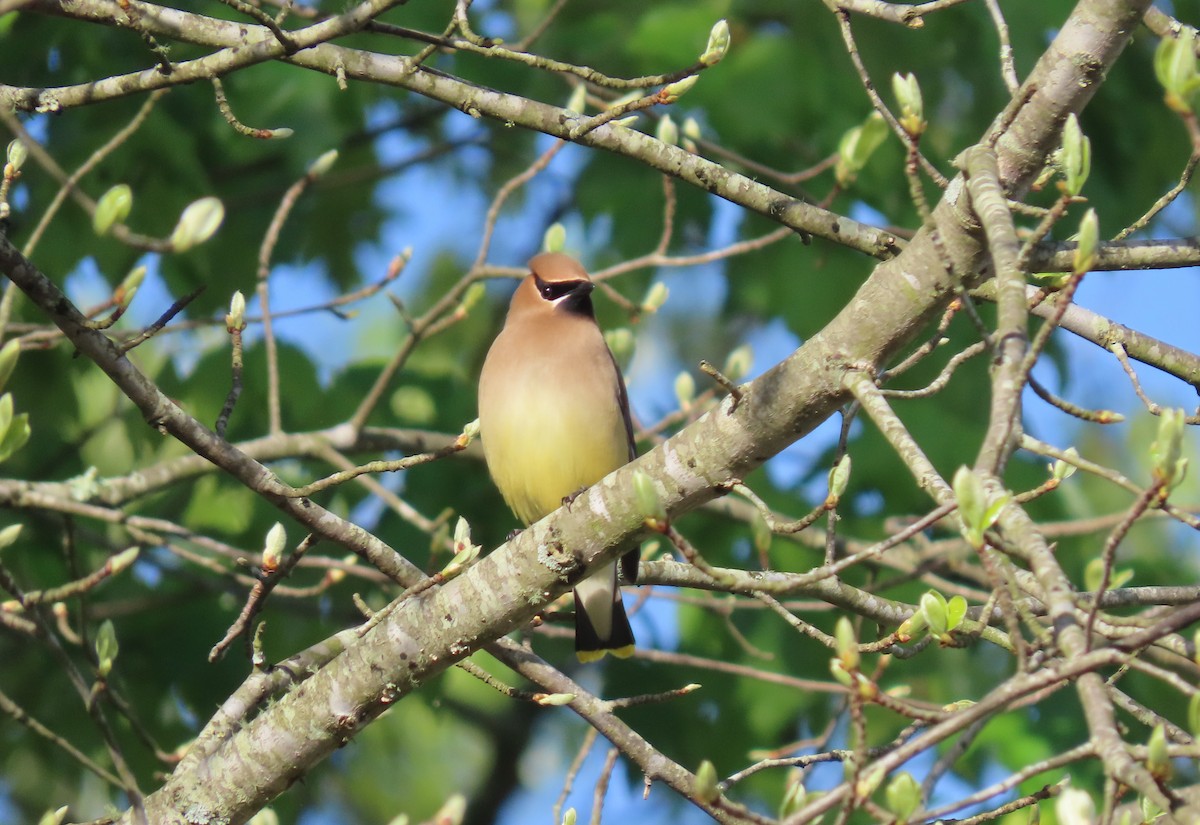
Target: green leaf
{"points": [[934, 611], [956, 611]]}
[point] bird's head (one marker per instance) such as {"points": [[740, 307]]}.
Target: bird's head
{"points": [[556, 283]]}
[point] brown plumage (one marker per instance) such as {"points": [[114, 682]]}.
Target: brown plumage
{"points": [[554, 419]]}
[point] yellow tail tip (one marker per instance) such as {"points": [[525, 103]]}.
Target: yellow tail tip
{"points": [[585, 656]]}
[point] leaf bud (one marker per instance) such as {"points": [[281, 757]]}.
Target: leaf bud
{"points": [[8, 360], [839, 478], [971, 498], [1075, 807], [452, 812], [266, 816], [112, 208], [273, 547], [705, 787], [648, 500], [656, 296], [54, 817], [685, 389], [903, 796], [123, 560], [322, 164], [1175, 66], [235, 320], [106, 647], [471, 298], [129, 287], [1089, 236], [1062, 470], [1075, 158], [857, 145], [621, 342], [912, 106], [1168, 443], [718, 44], [847, 643], [760, 532], [673, 91], [555, 238], [739, 362], [1158, 761], [577, 102], [197, 224], [554, 699], [793, 799], [9, 535], [17, 153], [667, 131]]}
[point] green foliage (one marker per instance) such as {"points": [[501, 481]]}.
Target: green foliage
{"points": [[783, 97]]}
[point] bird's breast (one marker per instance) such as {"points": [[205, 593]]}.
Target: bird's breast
{"points": [[551, 422]]}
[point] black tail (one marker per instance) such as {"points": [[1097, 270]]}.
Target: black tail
{"points": [[589, 646]]}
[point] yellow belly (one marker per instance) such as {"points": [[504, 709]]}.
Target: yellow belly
{"points": [[540, 455]]}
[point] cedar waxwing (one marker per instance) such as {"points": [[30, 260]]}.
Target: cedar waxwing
{"points": [[554, 419]]}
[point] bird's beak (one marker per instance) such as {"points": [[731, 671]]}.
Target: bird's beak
{"points": [[578, 297]]}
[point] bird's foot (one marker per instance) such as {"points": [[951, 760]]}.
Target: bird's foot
{"points": [[569, 500]]}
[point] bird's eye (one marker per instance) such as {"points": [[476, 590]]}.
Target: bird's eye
{"points": [[553, 290]]}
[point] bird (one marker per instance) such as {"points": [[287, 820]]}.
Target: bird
{"points": [[554, 419]]}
